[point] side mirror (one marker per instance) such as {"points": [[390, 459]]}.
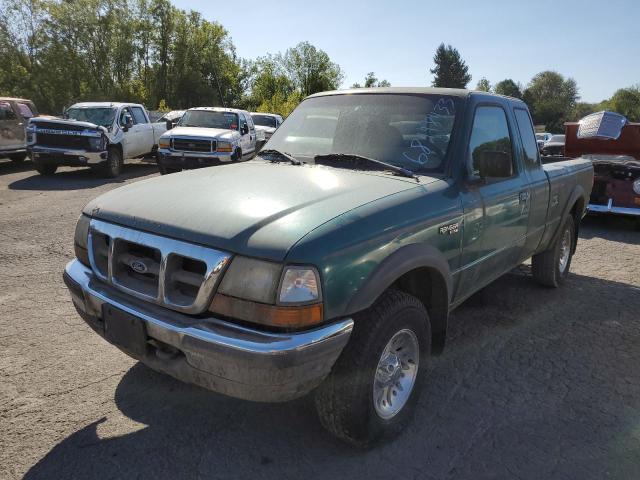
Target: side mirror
{"points": [[128, 123], [244, 129], [605, 125], [493, 164]]}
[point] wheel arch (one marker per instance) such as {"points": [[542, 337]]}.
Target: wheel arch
{"points": [[574, 208], [421, 271]]}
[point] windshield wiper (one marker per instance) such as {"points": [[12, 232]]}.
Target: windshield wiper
{"points": [[361, 158], [279, 156]]}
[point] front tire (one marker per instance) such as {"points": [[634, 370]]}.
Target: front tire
{"points": [[113, 166], [372, 390], [551, 268], [237, 155], [46, 169]]}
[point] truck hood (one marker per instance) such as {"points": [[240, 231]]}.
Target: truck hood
{"points": [[62, 123], [254, 208], [200, 132]]}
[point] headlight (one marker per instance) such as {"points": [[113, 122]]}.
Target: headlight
{"points": [[80, 239], [251, 279], [224, 147], [248, 292], [300, 285], [96, 143], [636, 186], [164, 142]]}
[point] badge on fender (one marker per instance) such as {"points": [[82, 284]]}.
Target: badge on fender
{"points": [[449, 229]]}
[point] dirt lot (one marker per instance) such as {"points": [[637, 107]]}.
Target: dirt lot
{"points": [[535, 383]]}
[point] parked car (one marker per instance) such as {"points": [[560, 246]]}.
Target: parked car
{"points": [[100, 135], [542, 138], [554, 146], [207, 136], [333, 267], [616, 162], [173, 116], [266, 122], [15, 113]]}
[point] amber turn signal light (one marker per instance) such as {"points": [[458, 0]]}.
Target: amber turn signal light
{"points": [[271, 315]]}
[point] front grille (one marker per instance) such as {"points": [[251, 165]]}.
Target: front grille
{"points": [[193, 145], [171, 273], [59, 126], [62, 141]]}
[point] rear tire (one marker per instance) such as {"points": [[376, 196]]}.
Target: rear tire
{"points": [[551, 268], [113, 166], [46, 169], [18, 157], [351, 401]]}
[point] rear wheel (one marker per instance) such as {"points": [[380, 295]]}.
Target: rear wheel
{"points": [[18, 157], [551, 268], [372, 390], [44, 168], [113, 166]]}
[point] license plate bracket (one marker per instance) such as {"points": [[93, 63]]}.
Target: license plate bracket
{"points": [[124, 330]]}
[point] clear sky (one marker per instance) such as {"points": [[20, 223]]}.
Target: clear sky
{"points": [[595, 42]]}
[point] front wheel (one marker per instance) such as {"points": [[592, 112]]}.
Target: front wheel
{"points": [[551, 268], [372, 390], [46, 169], [113, 166]]}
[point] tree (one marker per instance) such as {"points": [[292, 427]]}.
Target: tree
{"points": [[551, 99], [509, 88], [450, 70], [372, 81], [626, 101], [582, 109], [483, 85], [310, 69]]}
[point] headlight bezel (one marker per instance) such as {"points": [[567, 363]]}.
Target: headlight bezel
{"points": [[81, 239], [224, 146], [162, 144]]}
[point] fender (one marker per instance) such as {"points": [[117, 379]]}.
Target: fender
{"points": [[403, 260], [576, 194]]}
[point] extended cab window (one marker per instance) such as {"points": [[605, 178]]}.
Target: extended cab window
{"points": [[490, 134], [25, 111], [139, 115], [6, 112], [529, 144]]}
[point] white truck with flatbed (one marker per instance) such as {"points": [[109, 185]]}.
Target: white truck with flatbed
{"points": [[100, 135]]}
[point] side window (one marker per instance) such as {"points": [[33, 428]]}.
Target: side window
{"points": [[243, 121], [489, 137], [250, 122], [6, 112], [25, 111], [139, 115], [525, 127]]}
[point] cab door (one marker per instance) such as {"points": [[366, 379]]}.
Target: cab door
{"points": [[246, 136], [496, 207], [12, 127], [142, 130]]}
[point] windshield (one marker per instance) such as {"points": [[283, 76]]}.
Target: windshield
{"points": [[210, 119], [540, 136], [557, 138], [264, 120], [97, 115], [408, 131]]}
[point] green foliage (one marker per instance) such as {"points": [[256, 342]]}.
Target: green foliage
{"points": [[310, 69], [625, 101], [509, 88], [371, 81], [483, 85], [551, 99], [450, 70]]}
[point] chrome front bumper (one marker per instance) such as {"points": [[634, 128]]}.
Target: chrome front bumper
{"points": [[609, 208], [80, 157], [218, 355]]}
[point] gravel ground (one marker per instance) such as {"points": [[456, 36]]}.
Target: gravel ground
{"points": [[535, 383]]}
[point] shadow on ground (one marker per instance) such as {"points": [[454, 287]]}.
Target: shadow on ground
{"points": [[535, 383], [615, 228], [7, 166], [81, 178]]}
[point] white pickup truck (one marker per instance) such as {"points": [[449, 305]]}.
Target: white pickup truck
{"points": [[100, 135]]}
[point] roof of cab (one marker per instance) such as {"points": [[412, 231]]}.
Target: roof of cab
{"points": [[13, 99], [104, 104], [455, 92], [219, 109]]}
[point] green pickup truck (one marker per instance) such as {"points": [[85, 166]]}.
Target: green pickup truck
{"points": [[330, 262]]}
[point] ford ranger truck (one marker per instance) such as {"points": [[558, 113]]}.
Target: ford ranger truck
{"points": [[207, 136], [100, 135], [330, 263]]}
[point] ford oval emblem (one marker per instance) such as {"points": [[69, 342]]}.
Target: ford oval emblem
{"points": [[138, 266]]}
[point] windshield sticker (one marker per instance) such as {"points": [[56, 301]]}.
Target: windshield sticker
{"points": [[436, 127]]}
